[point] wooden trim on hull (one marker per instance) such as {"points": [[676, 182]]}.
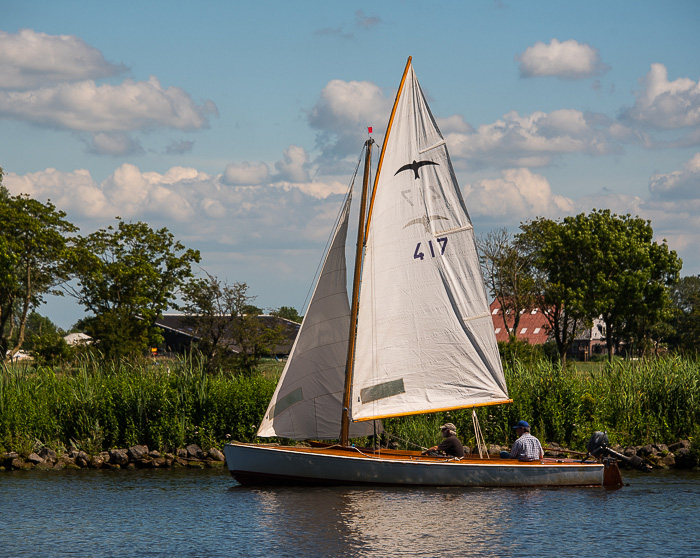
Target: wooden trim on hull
{"points": [[251, 464]]}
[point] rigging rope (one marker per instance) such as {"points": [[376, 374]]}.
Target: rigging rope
{"points": [[480, 442]]}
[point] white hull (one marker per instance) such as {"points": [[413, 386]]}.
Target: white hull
{"points": [[255, 464]]}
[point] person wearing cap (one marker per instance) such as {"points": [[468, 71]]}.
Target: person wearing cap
{"points": [[450, 446], [526, 447]]}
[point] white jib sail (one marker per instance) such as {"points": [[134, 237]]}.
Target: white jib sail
{"points": [[425, 338], [308, 400]]}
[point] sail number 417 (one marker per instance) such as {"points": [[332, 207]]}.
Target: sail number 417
{"points": [[419, 255]]}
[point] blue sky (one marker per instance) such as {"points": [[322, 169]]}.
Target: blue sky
{"points": [[237, 125]]}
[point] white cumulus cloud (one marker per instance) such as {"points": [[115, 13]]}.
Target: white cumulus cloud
{"points": [[29, 59], [533, 140], [86, 106], [678, 185], [246, 174], [343, 113], [294, 166], [665, 104], [567, 60], [74, 192], [517, 194], [198, 206]]}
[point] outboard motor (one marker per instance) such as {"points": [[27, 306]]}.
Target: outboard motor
{"points": [[598, 447]]}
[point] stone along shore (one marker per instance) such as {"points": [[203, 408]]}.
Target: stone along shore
{"points": [[135, 457], [660, 456]]}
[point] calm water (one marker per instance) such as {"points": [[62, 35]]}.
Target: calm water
{"points": [[185, 513]]}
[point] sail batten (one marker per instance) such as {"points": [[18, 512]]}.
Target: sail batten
{"points": [[423, 313]]}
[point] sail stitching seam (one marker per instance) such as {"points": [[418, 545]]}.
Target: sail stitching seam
{"points": [[451, 231]]}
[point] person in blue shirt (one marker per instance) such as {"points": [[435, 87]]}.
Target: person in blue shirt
{"points": [[526, 447]]}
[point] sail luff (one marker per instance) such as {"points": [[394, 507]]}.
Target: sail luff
{"points": [[386, 140]]}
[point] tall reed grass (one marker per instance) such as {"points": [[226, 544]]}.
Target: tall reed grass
{"points": [[99, 405], [635, 402]]}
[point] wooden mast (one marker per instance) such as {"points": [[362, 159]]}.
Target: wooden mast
{"points": [[345, 418]]}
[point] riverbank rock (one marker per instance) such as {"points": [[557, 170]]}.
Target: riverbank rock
{"points": [[137, 452], [118, 456], [48, 455], [194, 452], [216, 455], [35, 459], [82, 459]]}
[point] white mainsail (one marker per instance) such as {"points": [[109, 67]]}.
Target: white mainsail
{"points": [[425, 338], [308, 400]]}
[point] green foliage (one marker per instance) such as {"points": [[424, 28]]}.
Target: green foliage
{"points": [[104, 404], [45, 342], [288, 313], [222, 315], [34, 240], [516, 350], [605, 265], [127, 277], [636, 402], [684, 316]]}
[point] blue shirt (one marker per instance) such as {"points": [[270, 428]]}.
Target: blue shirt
{"points": [[526, 448]]}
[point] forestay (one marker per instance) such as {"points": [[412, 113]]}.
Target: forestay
{"points": [[425, 338], [308, 399]]}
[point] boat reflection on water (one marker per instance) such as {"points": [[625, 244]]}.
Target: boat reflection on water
{"points": [[342, 521]]}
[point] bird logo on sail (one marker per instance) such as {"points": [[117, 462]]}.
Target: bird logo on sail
{"points": [[414, 166], [425, 221]]}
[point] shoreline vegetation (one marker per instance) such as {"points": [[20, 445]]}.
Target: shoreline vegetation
{"points": [[94, 413]]}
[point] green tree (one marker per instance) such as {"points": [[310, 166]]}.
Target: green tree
{"points": [[209, 304], [253, 337], [127, 276], [684, 320], [630, 275], [227, 325], [288, 313], [34, 242], [508, 275], [559, 280], [45, 341], [601, 265]]}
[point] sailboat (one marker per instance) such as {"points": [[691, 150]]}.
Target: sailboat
{"points": [[416, 336]]}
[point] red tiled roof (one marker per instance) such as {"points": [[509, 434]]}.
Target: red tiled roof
{"points": [[531, 328]]}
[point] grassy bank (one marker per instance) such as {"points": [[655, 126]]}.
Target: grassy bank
{"points": [[96, 406]]}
